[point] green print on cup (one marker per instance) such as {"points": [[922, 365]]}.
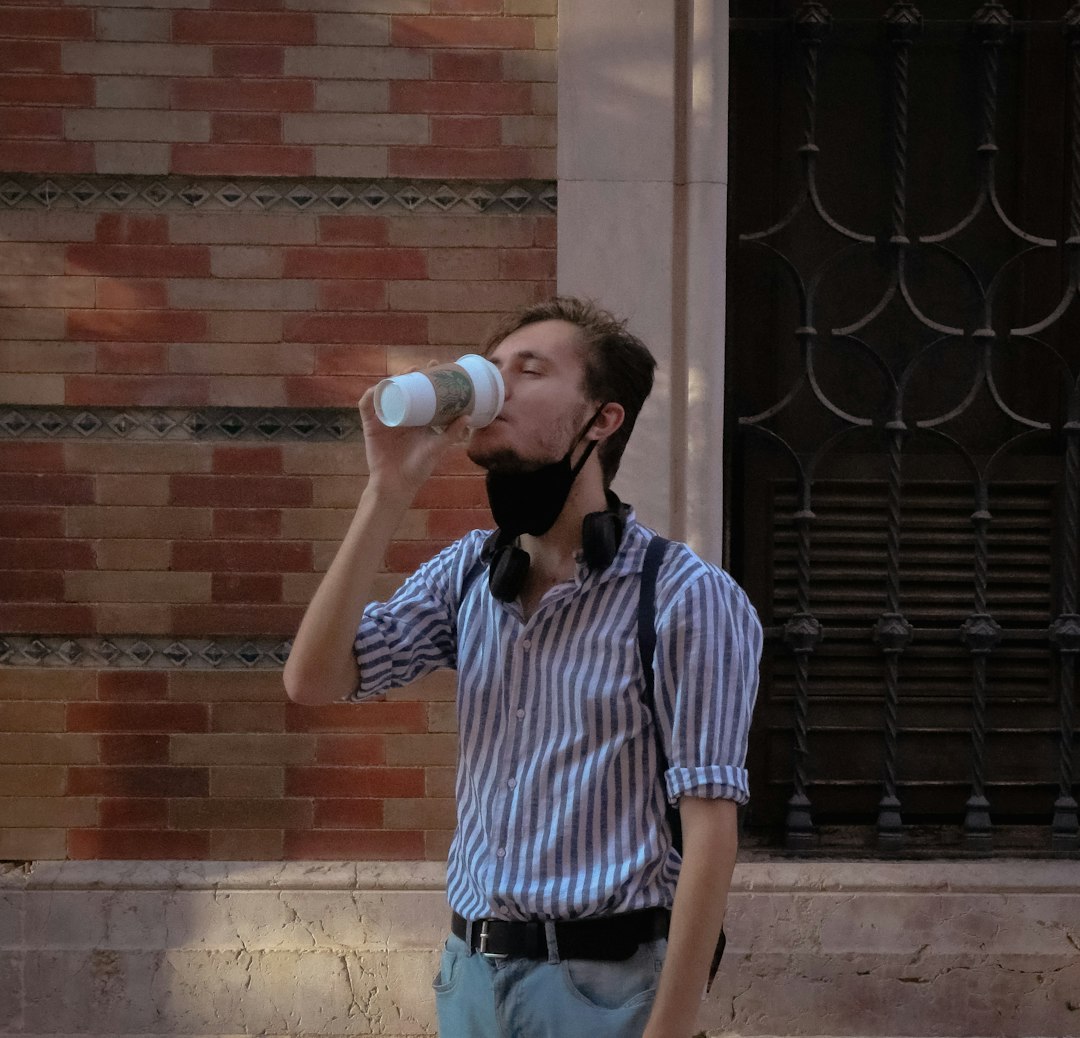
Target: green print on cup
{"points": [[453, 393]]}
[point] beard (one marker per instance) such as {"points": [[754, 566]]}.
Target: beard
{"points": [[508, 461]]}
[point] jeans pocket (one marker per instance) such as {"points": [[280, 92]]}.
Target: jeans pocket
{"points": [[449, 972], [616, 985]]}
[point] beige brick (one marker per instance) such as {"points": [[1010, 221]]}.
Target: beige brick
{"points": [[40, 683], [118, 521], [131, 490], [33, 844], [463, 231], [530, 66], [31, 225], [126, 617], [362, 6], [136, 59], [38, 780], [542, 7], [545, 99], [252, 390], [403, 358], [33, 389], [442, 717], [242, 261], [346, 161], [47, 812], [244, 326], [39, 357], [222, 748], [227, 686], [247, 844], [529, 131], [142, 26], [241, 294], [440, 782], [35, 748], [212, 813], [251, 781], [19, 257], [334, 128], [334, 492], [348, 96], [135, 586], [421, 749], [131, 91], [137, 457], [493, 297], [248, 717], [210, 228], [132, 554], [319, 524], [25, 322], [546, 34], [266, 357], [36, 716], [327, 458], [299, 588], [456, 264], [460, 329], [117, 124], [18, 291], [357, 63], [122, 158], [428, 813], [352, 30]]}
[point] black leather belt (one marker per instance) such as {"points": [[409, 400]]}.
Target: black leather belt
{"points": [[610, 938]]}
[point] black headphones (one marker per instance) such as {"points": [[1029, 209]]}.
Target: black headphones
{"points": [[601, 535]]}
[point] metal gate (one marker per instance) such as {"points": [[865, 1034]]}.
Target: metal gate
{"points": [[904, 351]]}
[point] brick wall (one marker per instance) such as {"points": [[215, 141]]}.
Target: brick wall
{"points": [[218, 226]]}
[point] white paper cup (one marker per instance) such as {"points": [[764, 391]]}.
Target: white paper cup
{"points": [[472, 385]]}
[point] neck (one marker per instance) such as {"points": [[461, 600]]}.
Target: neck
{"points": [[555, 550]]}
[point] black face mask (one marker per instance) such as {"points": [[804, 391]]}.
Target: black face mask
{"points": [[530, 502]]}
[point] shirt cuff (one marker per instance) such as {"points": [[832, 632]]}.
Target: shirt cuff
{"points": [[714, 782]]}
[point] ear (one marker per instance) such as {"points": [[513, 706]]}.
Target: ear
{"points": [[607, 422]]}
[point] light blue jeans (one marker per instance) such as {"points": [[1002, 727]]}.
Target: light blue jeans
{"points": [[479, 997]]}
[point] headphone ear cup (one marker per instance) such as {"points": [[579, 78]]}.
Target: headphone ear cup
{"points": [[507, 572], [601, 535]]}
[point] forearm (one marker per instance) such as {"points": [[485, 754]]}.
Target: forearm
{"points": [[710, 835], [321, 667]]}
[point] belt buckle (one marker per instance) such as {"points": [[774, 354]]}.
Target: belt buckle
{"points": [[484, 934]]}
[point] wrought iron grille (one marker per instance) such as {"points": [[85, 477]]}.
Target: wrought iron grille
{"points": [[903, 361]]}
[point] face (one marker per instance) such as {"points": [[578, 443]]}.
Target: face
{"points": [[546, 406]]}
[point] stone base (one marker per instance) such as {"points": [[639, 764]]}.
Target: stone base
{"points": [[133, 949]]}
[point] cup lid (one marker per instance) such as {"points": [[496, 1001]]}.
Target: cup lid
{"points": [[489, 393]]}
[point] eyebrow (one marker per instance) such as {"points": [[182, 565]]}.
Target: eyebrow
{"points": [[523, 355]]}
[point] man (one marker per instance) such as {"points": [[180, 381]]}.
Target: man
{"points": [[572, 912]]}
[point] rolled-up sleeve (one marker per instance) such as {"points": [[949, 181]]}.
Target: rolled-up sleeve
{"points": [[708, 650]]}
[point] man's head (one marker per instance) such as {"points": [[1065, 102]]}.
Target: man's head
{"points": [[616, 366]]}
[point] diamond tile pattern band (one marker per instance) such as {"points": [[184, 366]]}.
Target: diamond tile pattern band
{"points": [[127, 652]]}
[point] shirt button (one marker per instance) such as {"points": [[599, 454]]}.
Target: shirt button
{"points": [[527, 643], [521, 714], [501, 852], [512, 782]]}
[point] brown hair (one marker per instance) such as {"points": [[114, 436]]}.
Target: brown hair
{"points": [[618, 365]]}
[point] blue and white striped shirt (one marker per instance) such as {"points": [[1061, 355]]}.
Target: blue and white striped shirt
{"points": [[560, 811]]}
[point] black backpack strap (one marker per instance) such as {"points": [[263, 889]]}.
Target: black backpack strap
{"points": [[654, 555]]}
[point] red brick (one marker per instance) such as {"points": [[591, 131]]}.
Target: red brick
{"points": [[53, 488], [137, 844], [447, 524], [247, 522], [467, 6], [40, 553], [348, 814], [451, 492], [379, 717], [29, 56], [527, 264], [250, 620], [466, 131], [44, 522], [32, 457], [379, 329], [27, 156], [337, 391], [354, 782], [502, 163], [242, 556], [254, 95], [127, 813], [247, 460], [249, 61], [430, 97], [245, 128], [352, 295], [138, 781], [137, 325], [292, 28], [31, 122], [353, 230], [284, 491], [131, 294], [132, 358], [361, 845], [304, 262], [133, 749], [252, 160], [136, 391], [246, 718], [132, 229], [351, 749], [138, 717], [349, 359], [239, 813], [462, 66], [43, 23], [428, 31], [27, 585], [260, 587], [406, 556], [132, 685], [73, 91], [160, 261]]}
